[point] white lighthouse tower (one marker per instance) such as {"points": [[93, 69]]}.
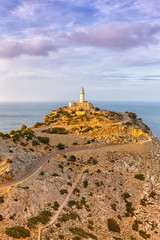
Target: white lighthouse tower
{"points": [[82, 95]]}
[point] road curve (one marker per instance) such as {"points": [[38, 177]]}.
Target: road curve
{"points": [[46, 158], [42, 161]]}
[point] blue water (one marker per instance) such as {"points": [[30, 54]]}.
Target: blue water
{"points": [[14, 115]]}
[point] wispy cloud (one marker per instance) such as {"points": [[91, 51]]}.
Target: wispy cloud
{"points": [[110, 37]]}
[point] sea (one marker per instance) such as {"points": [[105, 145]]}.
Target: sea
{"points": [[14, 115]]}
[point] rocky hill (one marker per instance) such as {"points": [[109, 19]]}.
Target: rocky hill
{"points": [[83, 190]]}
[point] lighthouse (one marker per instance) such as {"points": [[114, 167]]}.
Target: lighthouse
{"points": [[82, 95]]}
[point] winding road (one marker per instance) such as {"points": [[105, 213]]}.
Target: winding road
{"points": [[46, 158]]}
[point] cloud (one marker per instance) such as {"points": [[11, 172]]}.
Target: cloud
{"points": [[26, 10], [124, 37], [110, 37], [10, 49]]}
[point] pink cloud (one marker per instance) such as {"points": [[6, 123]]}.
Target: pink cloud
{"points": [[10, 49], [127, 36], [110, 37]]}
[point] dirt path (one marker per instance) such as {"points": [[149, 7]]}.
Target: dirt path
{"points": [[54, 218]]}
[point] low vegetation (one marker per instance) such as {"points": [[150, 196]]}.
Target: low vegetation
{"points": [[18, 232], [113, 225], [43, 218]]}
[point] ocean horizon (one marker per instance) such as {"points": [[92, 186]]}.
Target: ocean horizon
{"points": [[14, 115]]}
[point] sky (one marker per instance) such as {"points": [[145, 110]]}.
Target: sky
{"points": [[49, 49]]}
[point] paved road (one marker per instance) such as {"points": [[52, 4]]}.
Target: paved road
{"points": [[46, 158], [41, 162]]}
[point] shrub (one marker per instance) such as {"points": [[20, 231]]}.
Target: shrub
{"points": [[38, 124], [132, 115], [72, 158], [1, 218], [92, 160], [12, 132], [42, 173], [114, 207], [76, 238], [132, 238], [67, 216], [1, 199], [90, 227], [31, 149], [60, 146], [43, 218], [63, 191], [56, 205], [126, 195], [139, 177], [23, 127], [18, 232], [144, 234], [35, 143], [55, 175], [135, 226], [8, 160], [76, 190], [56, 130], [143, 202], [152, 194], [44, 140], [61, 236], [85, 183], [129, 208], [82, 233], [113, 225]]}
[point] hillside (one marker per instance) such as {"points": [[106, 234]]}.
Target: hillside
{"points": [[87, 188]]}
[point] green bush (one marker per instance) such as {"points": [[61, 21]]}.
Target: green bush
{"points": [[113, 225], [56, 205], [80, 232], [44, 140], [56, 130], [12, 132], [92, 160], [152, 194], [18, 232], [72, 158], [38, 124], [60, 146], [135, 226], [114, 207], [1, 199], [35, 143], [126, 195], [63, 191], [67, 216], [139, 177], [23, 127], [55, 175], [76, 190], [144, 234], [43, 218], [85, 183]]}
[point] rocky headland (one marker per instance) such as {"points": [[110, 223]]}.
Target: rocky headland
{"points": [[80, 175]]}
